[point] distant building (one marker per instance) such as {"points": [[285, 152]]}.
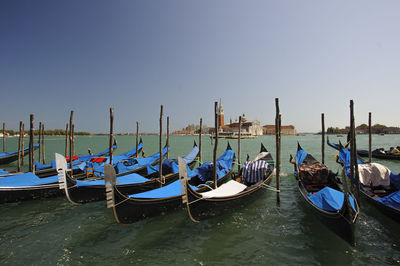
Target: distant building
{"points": [[285, 130], [252, 128], [183, 132]]}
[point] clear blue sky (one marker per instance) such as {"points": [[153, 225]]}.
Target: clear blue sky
{"points": [[136, 55]]}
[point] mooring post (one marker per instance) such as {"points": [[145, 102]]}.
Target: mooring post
{"points": [[161, 157], [278, 149], [66, 140], [369, 137], [137, 139], [70, 139], [357, 175], [23, 144], [19, 146], [323, 138], [240, 132], [43, 146], [168, 137], [40, 143], [216, 115], [201, 129], [73, 140], [31, 153], [351, 147], [111, 134], [4, 137]]}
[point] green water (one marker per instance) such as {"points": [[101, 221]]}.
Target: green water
{"points": [[52, 231]]}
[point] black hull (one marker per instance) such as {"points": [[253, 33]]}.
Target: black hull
{"points": [[386, 210], [29, 193], [81, 195], [13, 157], [339, 222], [129, 210], [201, 209], [364, 153]]}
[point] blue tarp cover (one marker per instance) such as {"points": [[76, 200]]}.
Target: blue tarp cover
{"points": [[392, 200], [300, 156], [171, 165], [134, 163], [39, 166], [5, 154], [121, 180], [329, 199], [2, 172], [26, 179], [174, 189]]}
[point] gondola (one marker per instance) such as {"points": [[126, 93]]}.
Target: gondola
{"points": [[9, 157], [324, 193], [26, 186], [131, 208], [83, 191], [378, 185], [364, 153], [247, 187]]}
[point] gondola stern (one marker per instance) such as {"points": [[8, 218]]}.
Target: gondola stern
{"points": [[183, 177], [263, 149], [64, 181]]}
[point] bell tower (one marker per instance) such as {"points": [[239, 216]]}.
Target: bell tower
{"points": [[221, 114]]}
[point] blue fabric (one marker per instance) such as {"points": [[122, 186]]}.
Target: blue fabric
{"points": [[171, 165], [392, 200], [395, 180], [2, 172], [5, 154], [39, 166], [300, 156], [26, 179], [134, 163], [329, 199], [172, 190], [254, 172], [127, 154], [175, 189], [121, 180]]}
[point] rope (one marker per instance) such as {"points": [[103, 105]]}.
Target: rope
{"points": [[205, 185], [268, 187]]}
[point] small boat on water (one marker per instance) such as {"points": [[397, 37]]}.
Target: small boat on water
{"points": [[9, 157], [231, 195], [89, 190], [135, 207], [325, 195], [378, 185]]}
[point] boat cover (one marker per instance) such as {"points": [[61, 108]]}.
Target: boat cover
{"points": [[374, 174], [329, 199], [5, 154], [3, 172], [121, 180], [171, 165], [392, 200], [39, 166], [254, 171], [227, 189], [134, 163], [26, 180], [175, 188], [300, 156]]}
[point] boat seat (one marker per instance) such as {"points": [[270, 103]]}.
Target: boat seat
{"points": [[227, 189]]}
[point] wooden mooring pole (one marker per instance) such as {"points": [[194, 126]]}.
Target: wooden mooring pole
{"points": [[4, 137], [73, 140], [323, 138], [70, 139], [43, 146], [201, 129], [354, 152], [240, 132], [216, 144], [40, 143], [278, 149], [19, 146], [168, 137], [31, 152], [23, 144], [66, 140], [111, 134], [160, 147], [369, 137], [137, 139]]}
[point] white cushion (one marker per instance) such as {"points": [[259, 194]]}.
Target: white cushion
{"points": [[229, 188]]}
